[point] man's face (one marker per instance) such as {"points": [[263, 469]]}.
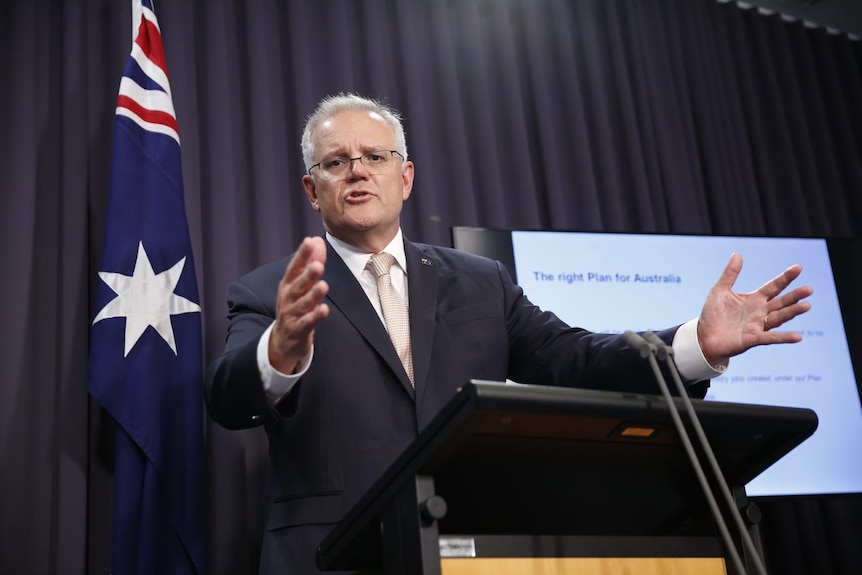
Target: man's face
{"points": [[360, 208]]}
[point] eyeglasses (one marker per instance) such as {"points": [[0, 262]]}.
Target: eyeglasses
{"points": [[376, 162]]}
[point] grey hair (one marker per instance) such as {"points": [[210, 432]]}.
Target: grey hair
{"points": [[333, 105]]}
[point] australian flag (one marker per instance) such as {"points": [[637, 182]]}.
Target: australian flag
{"points": [[146, 359]]}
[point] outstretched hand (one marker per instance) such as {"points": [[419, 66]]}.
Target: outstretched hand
{"points": [[731, 323], [299, 307]]}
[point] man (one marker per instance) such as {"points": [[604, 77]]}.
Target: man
{"points": [[309, 357]]}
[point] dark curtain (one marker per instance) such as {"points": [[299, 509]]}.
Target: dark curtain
{"points": [[685, 116]]}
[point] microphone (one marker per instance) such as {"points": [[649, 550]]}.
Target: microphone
{"points": [[650, 347]]}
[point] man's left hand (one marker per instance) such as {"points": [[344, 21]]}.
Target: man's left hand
{"points": [[731, 323]]}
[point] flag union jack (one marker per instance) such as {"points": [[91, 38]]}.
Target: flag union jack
{"points": [[145, 93]]}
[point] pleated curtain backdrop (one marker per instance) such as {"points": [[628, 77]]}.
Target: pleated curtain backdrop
{"points": [[682, 116]]}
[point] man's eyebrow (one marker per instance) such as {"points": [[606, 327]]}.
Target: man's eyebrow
{"points": [[371, 148], [341, 151]]}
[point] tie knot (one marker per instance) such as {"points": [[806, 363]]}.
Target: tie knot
{"points": [[379, 264]]}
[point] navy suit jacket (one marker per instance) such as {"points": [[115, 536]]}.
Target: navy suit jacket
{"points": [[354, 411]]}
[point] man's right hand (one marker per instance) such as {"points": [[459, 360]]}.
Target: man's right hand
{"points": [[299, 307]]}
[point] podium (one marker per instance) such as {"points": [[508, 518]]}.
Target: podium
{"points": [[535, 479]]}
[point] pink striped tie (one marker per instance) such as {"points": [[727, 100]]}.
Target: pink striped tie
{"points": [[394, 310]]}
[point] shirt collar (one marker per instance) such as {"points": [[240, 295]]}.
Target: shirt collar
{"points": [[356, 259]]}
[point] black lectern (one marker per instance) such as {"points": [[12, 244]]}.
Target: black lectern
{"points": [[535, 472]]}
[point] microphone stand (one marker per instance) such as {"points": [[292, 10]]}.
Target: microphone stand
{"points": [[665, 353], [650, 350]]}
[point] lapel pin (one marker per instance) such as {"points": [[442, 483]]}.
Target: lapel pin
{"points": [[426, 262]]}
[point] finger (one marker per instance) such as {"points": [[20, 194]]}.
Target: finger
{"points": [[304, 269], [298, 262], [777, 284], [307, 322], [304, 281], [290, 346], [774, 337], [296, 321], [297, 315], [318, 249], [730, 272], [310, 250], [305, 302], [780, 317], [790, 298]]}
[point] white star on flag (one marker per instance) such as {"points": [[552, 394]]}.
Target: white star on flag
{"points": [[146, 299]]}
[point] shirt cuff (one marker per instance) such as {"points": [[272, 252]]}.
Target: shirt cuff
{"points": [[276, 384], [690, 362]]}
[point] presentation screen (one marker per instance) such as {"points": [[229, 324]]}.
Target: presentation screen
{"points": [[608, 282]]}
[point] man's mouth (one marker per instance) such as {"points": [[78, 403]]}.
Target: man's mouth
{"points": [[356, 195]]}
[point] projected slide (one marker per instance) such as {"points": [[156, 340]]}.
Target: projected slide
{"points": [[615, 282]]}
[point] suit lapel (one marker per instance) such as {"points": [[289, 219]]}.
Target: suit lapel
{"points": [[350, 299], [422, 277]]}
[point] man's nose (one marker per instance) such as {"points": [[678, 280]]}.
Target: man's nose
{"points": [[356, 169]]}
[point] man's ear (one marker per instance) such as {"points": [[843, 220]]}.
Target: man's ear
{"points": [[406, 180], [310, 192]]}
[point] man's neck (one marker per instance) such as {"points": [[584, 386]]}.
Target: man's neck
{"points": [[371, 244], [357, 258]]}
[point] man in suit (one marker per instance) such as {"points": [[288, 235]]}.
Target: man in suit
{"points": [[309, 357]]}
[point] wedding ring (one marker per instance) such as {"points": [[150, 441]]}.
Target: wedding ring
{"points": [[766, 322]]}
